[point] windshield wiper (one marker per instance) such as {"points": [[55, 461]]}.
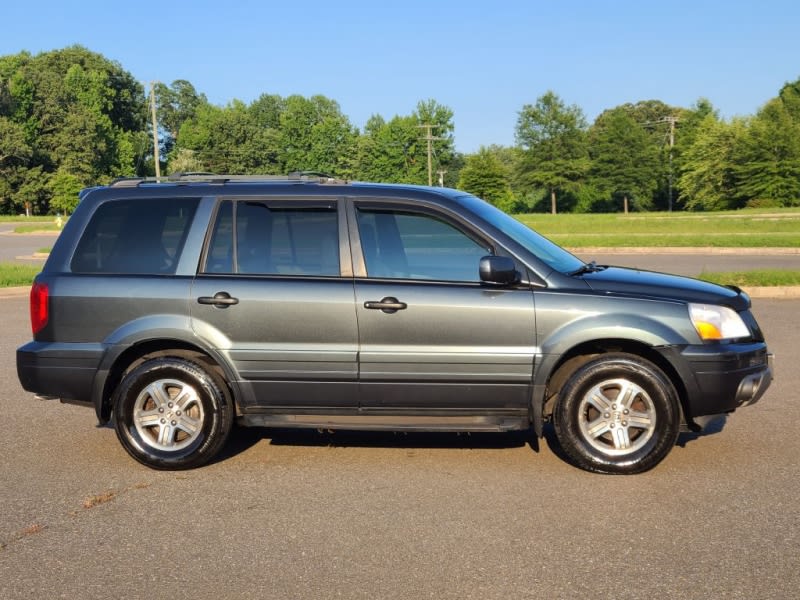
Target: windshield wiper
{"points": [[590, 267]]}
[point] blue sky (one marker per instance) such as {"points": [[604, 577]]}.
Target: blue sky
{"points": [[484, 60]]}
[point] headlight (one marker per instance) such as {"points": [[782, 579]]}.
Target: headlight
{"points": [[717, 322]]}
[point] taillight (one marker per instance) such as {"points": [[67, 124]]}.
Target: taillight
{"points": [[39, 306]]}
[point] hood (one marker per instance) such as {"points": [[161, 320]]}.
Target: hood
{"points": [[620, 280]]}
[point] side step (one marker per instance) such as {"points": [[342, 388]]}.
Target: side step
{"points": [[388, 422]]}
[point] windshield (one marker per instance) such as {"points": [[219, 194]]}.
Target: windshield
{"points": [[549, 253]]}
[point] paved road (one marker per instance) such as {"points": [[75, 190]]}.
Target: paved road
{"points": [[309, 515], [19, 248]]}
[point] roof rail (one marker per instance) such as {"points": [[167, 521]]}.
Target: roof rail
{"points": [[297, 176]]}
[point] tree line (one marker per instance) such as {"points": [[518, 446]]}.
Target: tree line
{"points": [[71, 118]]}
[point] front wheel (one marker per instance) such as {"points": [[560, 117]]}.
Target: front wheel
{"points": [[617, 413], [170, 413]]}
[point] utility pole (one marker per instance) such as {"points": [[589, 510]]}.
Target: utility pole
{"points": [[156, 157], [671, 137], [429, 138], [671, 121]]}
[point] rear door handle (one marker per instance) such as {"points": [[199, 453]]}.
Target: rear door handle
{"points": [[220, 300], [388, 305]]}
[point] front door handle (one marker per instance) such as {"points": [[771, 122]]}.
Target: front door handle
{"points": [[388, 305], [220, 300]]}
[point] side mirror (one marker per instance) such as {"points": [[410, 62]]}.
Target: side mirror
{"points": [[498, 270]]}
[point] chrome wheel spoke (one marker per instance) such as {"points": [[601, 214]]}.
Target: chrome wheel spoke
{"points": [[186, 398], [627, 394], [640, 420], [597, 427], [166, 435], [147, 418], [188, 425], [597, 399], [622, 440], [157, 393]]}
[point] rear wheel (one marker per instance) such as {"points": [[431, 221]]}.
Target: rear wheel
{"points": [[170, 413], [617, 413]]}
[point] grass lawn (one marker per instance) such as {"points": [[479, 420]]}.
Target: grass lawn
{"points": [[24, 219], [739, 229], [12, 274], [37, 227], [757, 278]]}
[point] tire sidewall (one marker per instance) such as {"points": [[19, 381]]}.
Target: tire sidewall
{"points": [[211, 397], [642, 373]]}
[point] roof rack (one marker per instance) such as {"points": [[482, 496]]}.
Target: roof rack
{"points": [[297, 176]]}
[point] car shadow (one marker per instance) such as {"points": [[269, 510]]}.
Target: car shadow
{"points": [[244, 438], [713, 427]]}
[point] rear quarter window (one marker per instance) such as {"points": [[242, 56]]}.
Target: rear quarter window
{"points": [[137, 236]]}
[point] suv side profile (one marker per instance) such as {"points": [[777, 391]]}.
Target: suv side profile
{"points": [[180, 307]]}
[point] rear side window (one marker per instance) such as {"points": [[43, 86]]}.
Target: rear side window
{"points": [[135, 237], [259, 238]]}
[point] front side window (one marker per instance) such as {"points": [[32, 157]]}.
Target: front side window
{"points": [[256, 238], [135, 237], [407, 245]]}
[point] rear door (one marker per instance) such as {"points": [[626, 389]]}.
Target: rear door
{"points": [[275, 294], [432, 337]]}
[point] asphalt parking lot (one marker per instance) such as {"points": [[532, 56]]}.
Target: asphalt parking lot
{"points": [[378, 515]]}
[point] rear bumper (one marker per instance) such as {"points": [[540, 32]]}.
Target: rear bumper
{"points": [[65, 371], [720, 379]]}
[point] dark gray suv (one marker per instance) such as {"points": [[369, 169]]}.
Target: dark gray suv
{"points": [[180, 307]]}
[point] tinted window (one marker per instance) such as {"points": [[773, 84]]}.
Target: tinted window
{"points": [[143, 236], [548, 252], [274, 240], [417, 246]]}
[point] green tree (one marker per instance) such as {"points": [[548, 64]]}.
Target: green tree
{"points": [[552, 137], [78, 113], [768, 162], [176, 103], [397, 150], [623, 159], [225, 140], [391, 151], [316, 136], [708, 178], [64, 187], [485, 176]]}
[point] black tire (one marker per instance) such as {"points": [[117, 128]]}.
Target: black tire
{"points": [[603, 433], [171, 414]]}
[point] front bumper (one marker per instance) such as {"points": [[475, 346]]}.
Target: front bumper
{"points": [[721, 378]]}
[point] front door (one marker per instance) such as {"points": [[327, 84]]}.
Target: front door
{"points": [[432, 337]]}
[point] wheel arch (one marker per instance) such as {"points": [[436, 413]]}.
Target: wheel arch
{"points": [[139, 352], [576, 356]]}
